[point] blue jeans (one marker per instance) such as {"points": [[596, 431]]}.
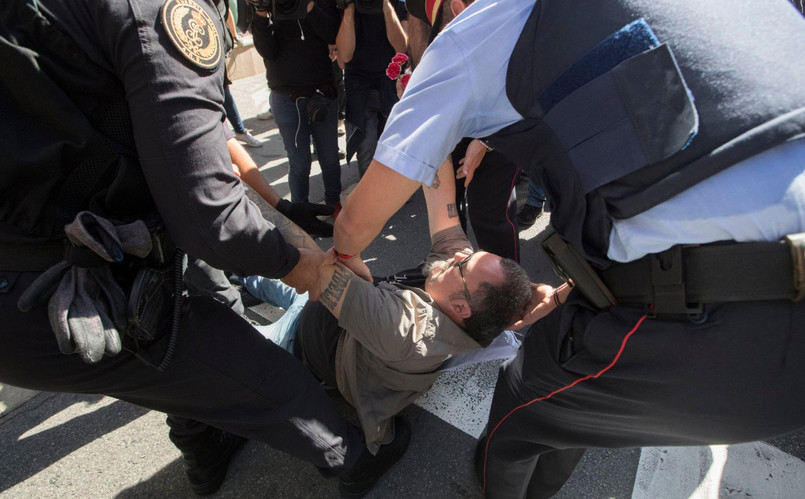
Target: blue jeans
{"points": [[232, 113], [296, 131], [277, 293], [373, 114], [536, 196]]}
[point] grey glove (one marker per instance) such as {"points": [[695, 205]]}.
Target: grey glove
{"points": [[82, 324], [87, 309]]}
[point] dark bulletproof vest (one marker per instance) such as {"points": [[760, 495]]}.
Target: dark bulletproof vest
{"points": [[66, 140], [628, 103]]}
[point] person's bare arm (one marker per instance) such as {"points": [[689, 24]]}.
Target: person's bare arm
{"points": [[544, 299], [345, 40], [476, 151], [230, 23], [304, 276], [250, 174], [394, 30], [379, 194], [440, 199], [334, 280]]}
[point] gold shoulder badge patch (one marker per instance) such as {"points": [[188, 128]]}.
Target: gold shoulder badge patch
{"points": [[191, 29]]}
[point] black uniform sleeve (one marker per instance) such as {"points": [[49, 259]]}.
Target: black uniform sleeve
{"points": [[176, 110]]}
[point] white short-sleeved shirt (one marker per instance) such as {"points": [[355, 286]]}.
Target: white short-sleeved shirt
{"points": [[459, 90]]}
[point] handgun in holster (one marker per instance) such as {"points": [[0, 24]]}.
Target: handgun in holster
{"points": [[571, 266]]}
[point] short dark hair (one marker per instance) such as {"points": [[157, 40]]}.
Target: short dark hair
{"points": [[496, 306]]}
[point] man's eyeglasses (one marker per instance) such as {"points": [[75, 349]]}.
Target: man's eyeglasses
{"points": [[461, 264]]}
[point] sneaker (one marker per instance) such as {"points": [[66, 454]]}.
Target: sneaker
{"points": [[342, 130], [248, 139], [266, 115], [206, 458], [528, 215], [368, 470]]}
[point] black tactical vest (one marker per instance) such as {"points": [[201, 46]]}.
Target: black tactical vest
{"points": [[66, 141], [630, 102]]}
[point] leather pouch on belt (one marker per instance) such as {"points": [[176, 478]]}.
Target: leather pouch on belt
{"points": [[150, 303]]}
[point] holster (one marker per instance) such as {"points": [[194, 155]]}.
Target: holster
{"points": [[150, 303], [682, 278], [571, 266]]}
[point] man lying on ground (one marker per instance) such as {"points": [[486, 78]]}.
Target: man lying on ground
{"points": [[383, 345]]}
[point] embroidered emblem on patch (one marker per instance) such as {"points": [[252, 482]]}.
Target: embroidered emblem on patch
{"points": [[191, 29]]}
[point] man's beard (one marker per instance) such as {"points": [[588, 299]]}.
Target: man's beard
{"points": [[436, 268]]}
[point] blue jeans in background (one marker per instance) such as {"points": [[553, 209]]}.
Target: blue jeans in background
{"points": [[536, 196], [373, 115], [277, 293], [232, 113], [296, 132]]}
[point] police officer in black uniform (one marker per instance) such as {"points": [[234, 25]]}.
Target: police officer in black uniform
{"points": [[112, 120]]}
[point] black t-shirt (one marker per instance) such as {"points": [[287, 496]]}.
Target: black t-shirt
{"points": [[373, 52], [317, 341]]}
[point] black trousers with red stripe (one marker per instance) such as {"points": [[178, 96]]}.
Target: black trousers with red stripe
{"points": [[584, 379], [490, 203]]}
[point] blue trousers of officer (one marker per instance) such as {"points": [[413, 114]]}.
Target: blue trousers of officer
{"points": [[585, 379], [223, 373]]}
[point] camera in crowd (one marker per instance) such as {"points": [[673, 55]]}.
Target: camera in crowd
{"points": [[281, 10], [363, 6]]}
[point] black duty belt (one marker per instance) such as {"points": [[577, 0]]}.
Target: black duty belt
{"points": [[682, 278], [38, 257]]}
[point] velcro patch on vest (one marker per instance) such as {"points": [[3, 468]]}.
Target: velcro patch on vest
{"points": [[629, 41], [193, 32]]}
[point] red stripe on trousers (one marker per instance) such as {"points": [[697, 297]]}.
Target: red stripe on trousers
{"points": [[546, 397]]}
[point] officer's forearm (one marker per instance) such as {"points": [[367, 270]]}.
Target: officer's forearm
{"points": [[379, 194], [440, 198]]}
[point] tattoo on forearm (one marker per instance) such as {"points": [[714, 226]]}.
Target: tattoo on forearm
{"points": [[335, 289], [452, 211], [291, 232], [436, 182]]}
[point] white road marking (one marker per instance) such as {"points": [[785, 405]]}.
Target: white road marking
{"points": [[462, 397], [753, 470], [749, 470]]}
